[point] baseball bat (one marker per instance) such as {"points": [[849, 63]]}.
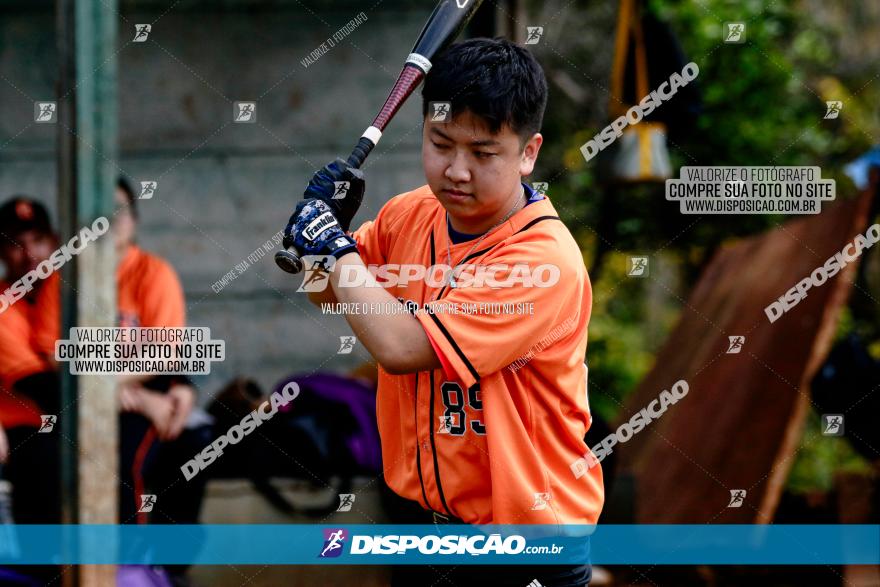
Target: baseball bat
{"points": [[443, 26]]}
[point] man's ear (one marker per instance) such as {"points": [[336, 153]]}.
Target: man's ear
{"points": [[530, 154]]}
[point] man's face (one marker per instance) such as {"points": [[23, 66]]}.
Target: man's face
{"points": [[123, 222], [22, 252], [476, 175]]}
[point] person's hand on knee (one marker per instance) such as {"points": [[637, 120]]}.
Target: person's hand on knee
{"points": [[183, 398], [4, 445], [156, 407]]}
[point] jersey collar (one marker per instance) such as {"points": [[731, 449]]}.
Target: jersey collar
{"points": [[519, 221]]}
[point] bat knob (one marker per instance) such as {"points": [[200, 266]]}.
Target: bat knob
{"points": [[289, 261]]}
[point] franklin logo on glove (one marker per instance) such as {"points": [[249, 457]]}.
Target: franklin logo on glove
{"points": [[317, 226]]}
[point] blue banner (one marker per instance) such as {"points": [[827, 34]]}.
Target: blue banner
{"points": [[443, 544]]}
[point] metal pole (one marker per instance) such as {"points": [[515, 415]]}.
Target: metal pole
{"points": [[67, 227], [87, 173]]}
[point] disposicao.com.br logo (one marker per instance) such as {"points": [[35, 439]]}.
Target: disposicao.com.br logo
{"points": [[393, 544], [466, 275]]}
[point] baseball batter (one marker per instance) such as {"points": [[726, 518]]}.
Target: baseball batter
{"points": [[481, 412]]}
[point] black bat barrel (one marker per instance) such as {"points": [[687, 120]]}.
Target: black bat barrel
{"points": [[444, 25]]}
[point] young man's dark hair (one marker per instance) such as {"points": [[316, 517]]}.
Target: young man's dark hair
{"points": [[124, 184], [478, 75]]}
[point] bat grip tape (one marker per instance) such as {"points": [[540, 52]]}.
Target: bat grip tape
{"points": [[360, 152]]}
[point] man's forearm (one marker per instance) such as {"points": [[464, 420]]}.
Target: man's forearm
{"points": [[395, 339], [322, 297]]}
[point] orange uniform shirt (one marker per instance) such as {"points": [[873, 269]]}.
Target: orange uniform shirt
{"points": [[491, 437], [148, 294]]}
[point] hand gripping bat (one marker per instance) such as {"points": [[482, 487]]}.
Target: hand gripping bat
{"points": [[443, 26]]}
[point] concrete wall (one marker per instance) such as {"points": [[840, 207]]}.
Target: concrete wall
{"points": [[225, 188]]}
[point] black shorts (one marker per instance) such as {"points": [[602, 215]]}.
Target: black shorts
{"points": [[490, 575]]}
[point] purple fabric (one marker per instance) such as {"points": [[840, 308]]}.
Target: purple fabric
{"points": [[10, 577], [354, 396], [141, 576]]}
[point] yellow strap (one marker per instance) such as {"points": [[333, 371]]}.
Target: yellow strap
{"points": [[641, 58], [621, 46]]}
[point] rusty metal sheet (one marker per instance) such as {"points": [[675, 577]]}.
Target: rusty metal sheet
{"points": [[740, 424]]}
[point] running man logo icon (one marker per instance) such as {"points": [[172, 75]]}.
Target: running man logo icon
{"points": [[736, 32], [736, 498], [148, 500], [341, 189], [638, 267], [534, 34], [346, 500], [440, 111], [535, 583], [47, 423], [833, 109], [148, 188], [346, 345], [541, 187], [141, 32], [541, 500], [578, 468], [245, 112], [333, 543], [445, 424], [44, 112], [317, 268], [735, 344], [832, 424]]}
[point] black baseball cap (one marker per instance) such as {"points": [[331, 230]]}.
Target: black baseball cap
{"points": [[21, 214]]}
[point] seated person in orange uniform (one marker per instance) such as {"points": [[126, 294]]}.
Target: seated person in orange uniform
{"points": [[154, 409]]}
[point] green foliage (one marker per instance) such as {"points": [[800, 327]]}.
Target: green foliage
{"points": [[763, 104], [819, 457], [616, 353]]}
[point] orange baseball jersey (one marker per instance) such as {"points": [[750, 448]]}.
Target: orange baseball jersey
{"points": [[493, 436], [19, 357], [148, 294]]}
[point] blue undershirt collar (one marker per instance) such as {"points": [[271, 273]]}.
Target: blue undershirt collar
{"points": [[462, 237]]}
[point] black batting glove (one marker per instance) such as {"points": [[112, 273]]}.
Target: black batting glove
{"points": [[340, 187]]}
